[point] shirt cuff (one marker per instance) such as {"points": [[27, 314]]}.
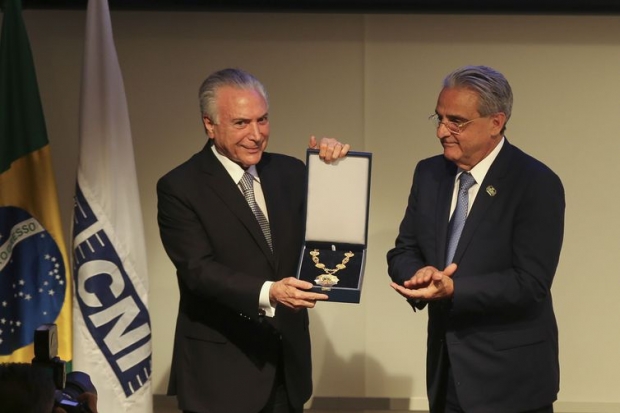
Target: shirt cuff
{"points": [[263, 301]]}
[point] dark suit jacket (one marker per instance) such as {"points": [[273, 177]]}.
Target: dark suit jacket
{"points": [[225, 353], [499, 329]]}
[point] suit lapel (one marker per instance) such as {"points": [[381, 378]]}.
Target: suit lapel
{"points": [[275, 207], [222, 185], [492, 185]]}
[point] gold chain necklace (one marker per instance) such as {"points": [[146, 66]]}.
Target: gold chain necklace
{"points": [[331, 271], [328, 280]]}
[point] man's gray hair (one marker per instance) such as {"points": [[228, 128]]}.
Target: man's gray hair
{"points": [[493, 90], [236, 78]]}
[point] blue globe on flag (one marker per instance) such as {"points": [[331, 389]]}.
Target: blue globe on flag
{"points": [[32, 278]]}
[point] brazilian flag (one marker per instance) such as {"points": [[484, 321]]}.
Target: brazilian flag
{"points": [[35, 284]]}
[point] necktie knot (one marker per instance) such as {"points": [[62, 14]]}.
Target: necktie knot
{"points": [[247, 184], [466, 181]]}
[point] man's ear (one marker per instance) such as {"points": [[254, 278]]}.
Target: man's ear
{"points": [[498, 120], [209, 125]]}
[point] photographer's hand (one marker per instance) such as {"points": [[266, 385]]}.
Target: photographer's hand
{"points": [[89, 398]]}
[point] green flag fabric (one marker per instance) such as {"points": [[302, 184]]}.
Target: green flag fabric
{"points": [[35, 284]]}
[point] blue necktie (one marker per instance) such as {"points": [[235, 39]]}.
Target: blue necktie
{"points": [[247, 185], [459, 216]]}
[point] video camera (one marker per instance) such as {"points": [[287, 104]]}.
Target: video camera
{"points": [[68, 386]]}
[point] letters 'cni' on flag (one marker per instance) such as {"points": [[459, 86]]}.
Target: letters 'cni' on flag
{"points": [[35, 286], [112, 329]]}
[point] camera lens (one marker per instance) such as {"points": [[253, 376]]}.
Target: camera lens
{"points": [[78, 383]]}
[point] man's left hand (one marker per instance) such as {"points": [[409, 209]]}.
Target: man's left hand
{"points": [[294, 294], [428, 284], [330, 149]]}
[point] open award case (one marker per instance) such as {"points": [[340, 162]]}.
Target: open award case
{"points": [[334, 252]]}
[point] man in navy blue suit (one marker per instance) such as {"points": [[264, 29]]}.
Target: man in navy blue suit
{"points": [[492, 334]]}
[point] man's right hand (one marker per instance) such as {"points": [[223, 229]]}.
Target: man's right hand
{"points": [[291, 293]]}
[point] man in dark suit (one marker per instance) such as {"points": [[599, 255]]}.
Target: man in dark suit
{"points": [[492, 334], [242, 343]]}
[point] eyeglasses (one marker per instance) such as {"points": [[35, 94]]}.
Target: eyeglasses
{"points": [[454, 127]]}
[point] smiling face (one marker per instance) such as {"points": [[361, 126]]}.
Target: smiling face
{"points": [[477, 139], [242, 129]]}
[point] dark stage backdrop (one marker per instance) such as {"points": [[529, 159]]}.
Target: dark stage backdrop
{"points": [[352, 6]]}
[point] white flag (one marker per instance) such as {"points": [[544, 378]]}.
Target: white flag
{"points": [[112, 329]]}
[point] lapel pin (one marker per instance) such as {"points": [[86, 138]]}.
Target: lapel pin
{"points": [[491, 190]]}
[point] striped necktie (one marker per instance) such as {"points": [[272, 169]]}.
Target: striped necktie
{"points": [[459, 216], [247, 185]]}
